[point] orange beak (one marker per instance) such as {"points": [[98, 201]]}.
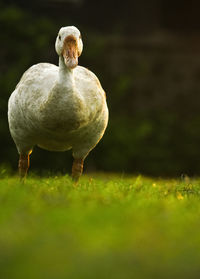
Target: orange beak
{"points": [[70, 52]]}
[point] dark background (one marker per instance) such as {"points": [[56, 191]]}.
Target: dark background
{"points": [[147, 57]]}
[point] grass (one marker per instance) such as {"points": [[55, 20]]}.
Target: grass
{"points": [[106, 227]]}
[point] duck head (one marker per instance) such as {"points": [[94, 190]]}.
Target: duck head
{"points": [[69, 45]]}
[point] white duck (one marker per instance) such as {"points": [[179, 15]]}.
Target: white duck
{"points": [[58, 108]]}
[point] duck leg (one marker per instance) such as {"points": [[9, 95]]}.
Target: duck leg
{"points": [[77, 169], [23, 165]]}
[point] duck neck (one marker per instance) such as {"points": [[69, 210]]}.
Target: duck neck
{"points": [[66, 76]]}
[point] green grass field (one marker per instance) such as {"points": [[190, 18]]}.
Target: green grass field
{"points": [[107, 226]]}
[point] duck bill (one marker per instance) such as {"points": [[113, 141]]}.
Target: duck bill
{"points": [[70, 52]]}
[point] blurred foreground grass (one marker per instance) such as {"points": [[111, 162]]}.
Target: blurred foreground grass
{"points": [[106, 227]]}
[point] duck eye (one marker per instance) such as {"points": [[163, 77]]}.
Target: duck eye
{"points": [[59, 37]]}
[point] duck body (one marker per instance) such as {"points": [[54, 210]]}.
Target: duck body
{"points": [[55, 116], [58, 108]]}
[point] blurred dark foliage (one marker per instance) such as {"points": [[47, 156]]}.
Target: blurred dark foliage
{"points": [[147, 57]]}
